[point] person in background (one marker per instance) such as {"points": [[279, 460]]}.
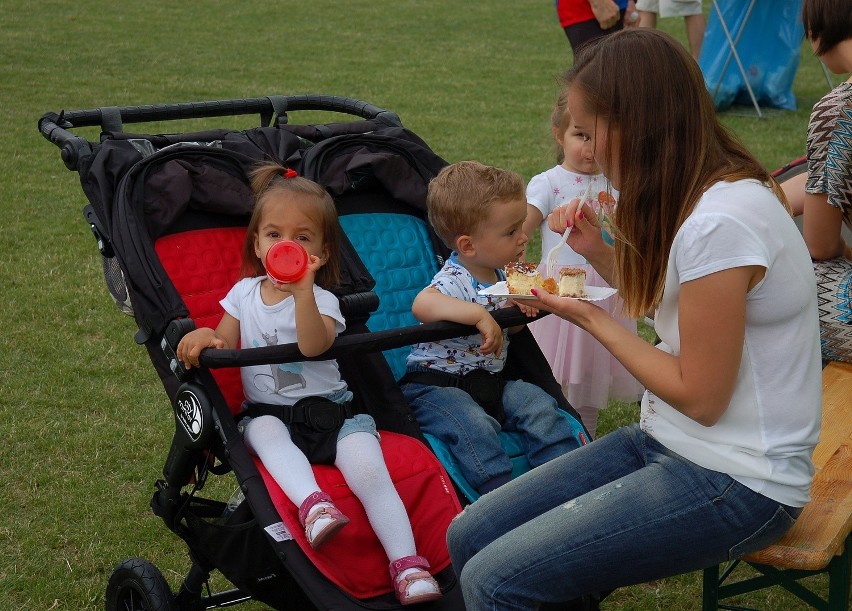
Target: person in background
{"points": [[588, 373], [585, 20], [719, 464], [691, 11], [824, 195]]}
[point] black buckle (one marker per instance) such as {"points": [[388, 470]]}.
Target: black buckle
{"points": [[320, 414], [483, 386]]}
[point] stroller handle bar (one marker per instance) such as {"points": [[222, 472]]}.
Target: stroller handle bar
{"points": [[357, 343], [55, 127]]}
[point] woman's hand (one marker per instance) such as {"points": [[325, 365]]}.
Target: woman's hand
{"points": [[576, 311], [524, 307], [586, 238]]}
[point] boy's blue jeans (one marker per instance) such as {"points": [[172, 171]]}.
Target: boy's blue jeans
{"points": [[451, 415], [619, 511]]}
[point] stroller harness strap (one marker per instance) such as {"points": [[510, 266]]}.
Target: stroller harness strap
{"points": [[314, 423], [485, 387], [318, 413]]}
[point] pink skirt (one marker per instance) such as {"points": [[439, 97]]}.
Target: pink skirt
{"points": [[589, 375]]}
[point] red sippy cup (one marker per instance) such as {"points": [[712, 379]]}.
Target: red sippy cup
{"points": [[286, 261]]}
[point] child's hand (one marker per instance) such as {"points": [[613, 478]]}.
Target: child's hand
{"points": [[306, 282], [191, 345], [527, 309], [492, 334]]}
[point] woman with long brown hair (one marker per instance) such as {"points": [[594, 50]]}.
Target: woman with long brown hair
{"points": [[719, 464]]}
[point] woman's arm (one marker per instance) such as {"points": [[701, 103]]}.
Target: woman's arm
{"points": [[821, 226], [794, 189], [699, 382]]}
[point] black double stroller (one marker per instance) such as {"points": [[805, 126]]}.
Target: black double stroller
{"points": [[169, 212]]}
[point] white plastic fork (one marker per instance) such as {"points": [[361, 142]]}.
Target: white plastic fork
{"points": [[551, 255]]}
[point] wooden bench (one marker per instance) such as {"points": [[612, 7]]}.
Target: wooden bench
{"points": [[820, 540]]}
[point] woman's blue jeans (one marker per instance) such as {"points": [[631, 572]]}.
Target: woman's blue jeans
{"points": [[619, 511]]}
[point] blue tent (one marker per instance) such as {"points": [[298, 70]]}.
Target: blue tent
{"points": [[767, 37]]}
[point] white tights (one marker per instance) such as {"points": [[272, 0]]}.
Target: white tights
{"points": [[360, 461]]}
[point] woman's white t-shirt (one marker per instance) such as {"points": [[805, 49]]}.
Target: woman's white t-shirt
{"points": [[765, 438]]}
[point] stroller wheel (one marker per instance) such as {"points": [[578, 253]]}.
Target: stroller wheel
{"points": [[138, 585]]}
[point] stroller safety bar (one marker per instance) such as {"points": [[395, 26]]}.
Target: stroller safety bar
{"points": [[345, 345], [272, 109]]}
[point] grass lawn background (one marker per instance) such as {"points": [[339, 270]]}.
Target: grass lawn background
{"points": [[86, 426]]}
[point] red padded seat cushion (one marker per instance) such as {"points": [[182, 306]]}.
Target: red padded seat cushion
{"points": [[354, 559], [203, 265]]}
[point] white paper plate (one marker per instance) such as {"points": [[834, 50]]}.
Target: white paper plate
{"points": [[593, 293]]}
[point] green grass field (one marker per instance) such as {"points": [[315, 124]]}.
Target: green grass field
{"points": [[86, 426]]}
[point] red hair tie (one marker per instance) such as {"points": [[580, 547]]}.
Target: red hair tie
{"points": [[289, 173]]}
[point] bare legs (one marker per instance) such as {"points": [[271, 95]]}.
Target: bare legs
{"points": [[695, 26]]}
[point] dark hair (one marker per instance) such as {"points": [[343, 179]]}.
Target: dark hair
{"points": [[671, 148], [272, 180], [827, 22]]}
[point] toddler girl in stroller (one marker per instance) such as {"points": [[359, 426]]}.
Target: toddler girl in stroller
{"points": [[313, 401]]}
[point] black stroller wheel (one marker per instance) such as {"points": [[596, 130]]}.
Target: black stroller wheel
{"points": [[138, 585]]}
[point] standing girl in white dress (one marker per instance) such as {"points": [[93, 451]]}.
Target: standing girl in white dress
{"points": [[587, 372]]}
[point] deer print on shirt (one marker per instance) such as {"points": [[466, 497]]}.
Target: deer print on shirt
{"points": [[283, 376]]}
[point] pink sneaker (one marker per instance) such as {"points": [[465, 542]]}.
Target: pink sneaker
{"points": [[318, 506], [426, 588]]}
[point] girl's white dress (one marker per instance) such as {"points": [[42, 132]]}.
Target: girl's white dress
{"points": [[590, 376]]}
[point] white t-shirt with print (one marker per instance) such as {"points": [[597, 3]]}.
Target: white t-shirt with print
{"points": [[264, 325]]}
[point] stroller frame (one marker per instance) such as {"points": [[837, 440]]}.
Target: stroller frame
{"points": [[206, 440]]}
